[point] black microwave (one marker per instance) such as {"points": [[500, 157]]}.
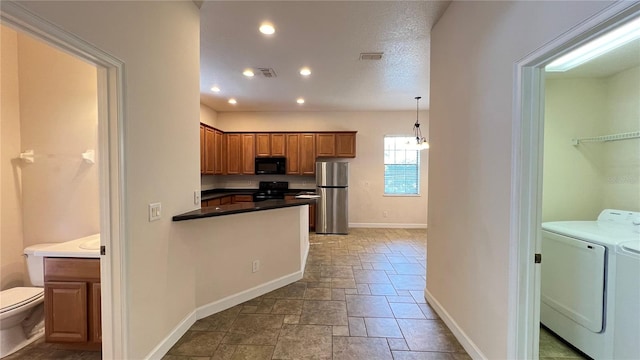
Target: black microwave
{"points": [[271, 165]]}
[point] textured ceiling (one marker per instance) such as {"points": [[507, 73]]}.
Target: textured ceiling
{"points": [[327, 37]]}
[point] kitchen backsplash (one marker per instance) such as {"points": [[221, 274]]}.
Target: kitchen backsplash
{"points": [[208, 182]]}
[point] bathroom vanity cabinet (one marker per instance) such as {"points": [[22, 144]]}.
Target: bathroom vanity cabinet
{"points": [[72, 301]]}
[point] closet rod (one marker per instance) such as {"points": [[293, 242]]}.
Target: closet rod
{"points": [[612, 137]]}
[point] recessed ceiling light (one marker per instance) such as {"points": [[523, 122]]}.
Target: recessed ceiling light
{"points": [[248, 73], [305, 71], [215, 89], [267, 29], [300, 101], [232, 101]]}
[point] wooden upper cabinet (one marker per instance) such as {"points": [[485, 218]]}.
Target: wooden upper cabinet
{"points": [[234, 153], [325, 145], [218, 162], [293, 153], [202, 149], [209, 152], [248, 154], [263, 144], [307, 154], [270, 144], [278, 142], [345, 145]]}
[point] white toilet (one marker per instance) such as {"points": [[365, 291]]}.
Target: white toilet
{"points": [[22, 308]]}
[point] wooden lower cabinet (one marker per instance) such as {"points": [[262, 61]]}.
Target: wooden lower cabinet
{"points": [[65, 310], [242, 198], [95, 317], [312, 217], [72, 303]]}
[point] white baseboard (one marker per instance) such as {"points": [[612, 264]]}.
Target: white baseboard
{"points": [[388, 226], [230, 301], [239, 298], [165, 345], [462, 337]]}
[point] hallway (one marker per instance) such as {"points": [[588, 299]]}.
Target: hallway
{"points": [[362, 297]]}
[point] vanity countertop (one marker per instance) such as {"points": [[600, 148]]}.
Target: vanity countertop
{"points": [[86, 247]]}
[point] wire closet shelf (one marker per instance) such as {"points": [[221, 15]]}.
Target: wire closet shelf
{"points": [[605, 138]]}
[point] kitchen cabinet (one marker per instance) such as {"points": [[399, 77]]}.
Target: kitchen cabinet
{"points": [[218, 162], [224, 200], [326, 145], [202, 149], [72, 301], [242, 198], [270, 144], [293, 153], [312, 217], [277, 144], [346, 145], [336, 145], [240, 154], [263, 144], [248, 154], [307, 154], [209, 152], [234, 153], [211, 148]]}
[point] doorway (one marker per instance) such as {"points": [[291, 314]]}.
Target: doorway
{"points": [[527, 176], [110, 167]]}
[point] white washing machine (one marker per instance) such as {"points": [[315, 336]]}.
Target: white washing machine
{"points": [[579, 278], [627, 309]]}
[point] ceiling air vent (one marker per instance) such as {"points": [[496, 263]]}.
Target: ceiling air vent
{"points": [[371, 56], [267, 72]]}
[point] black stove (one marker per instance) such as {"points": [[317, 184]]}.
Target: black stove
{"points": [[271, 190]]}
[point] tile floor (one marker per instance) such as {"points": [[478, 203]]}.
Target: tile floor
{"points": [[553, 347], [40, 350], [362, 297]]}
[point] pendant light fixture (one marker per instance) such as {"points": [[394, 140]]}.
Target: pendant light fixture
{"points": [[421, 141]]}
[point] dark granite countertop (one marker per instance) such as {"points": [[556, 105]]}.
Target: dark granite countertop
{"points": [[218, 193], [238, 208]]}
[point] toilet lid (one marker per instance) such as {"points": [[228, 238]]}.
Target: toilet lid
{"points": [[18, 296]]}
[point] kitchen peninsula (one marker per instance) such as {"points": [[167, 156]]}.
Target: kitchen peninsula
{"points": [[241, 207], [244, 250]]}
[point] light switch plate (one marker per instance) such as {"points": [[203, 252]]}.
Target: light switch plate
{"points": [[196, 197], [155, 211]]}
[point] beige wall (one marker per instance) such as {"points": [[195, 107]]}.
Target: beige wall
{"points": [[58, 120], [573, 175], [225, 248], [622, 158], [208, 115], [12, 265], [158, 41], [367, 203], [473, 50]]}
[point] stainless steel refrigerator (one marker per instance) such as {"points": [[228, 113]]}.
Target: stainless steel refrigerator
{"points": [[332, 184]]}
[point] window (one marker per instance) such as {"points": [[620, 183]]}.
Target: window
{"points": [[401, 166]]}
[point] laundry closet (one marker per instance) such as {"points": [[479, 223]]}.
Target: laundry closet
{"points": [[591, 205]]}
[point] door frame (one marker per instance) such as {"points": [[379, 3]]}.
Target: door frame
{"points": [[110, 72], [526, 175]]}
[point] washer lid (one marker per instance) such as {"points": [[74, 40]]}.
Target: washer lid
{"points": [[599, 232], [632, 246], [16, 297]]}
